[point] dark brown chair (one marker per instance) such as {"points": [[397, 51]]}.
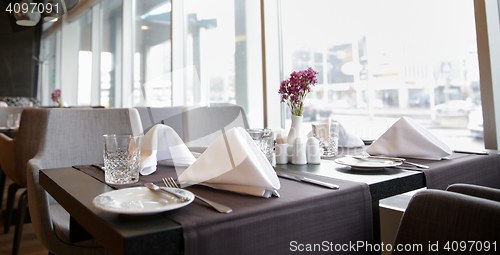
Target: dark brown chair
{"points": [[446, 220]]}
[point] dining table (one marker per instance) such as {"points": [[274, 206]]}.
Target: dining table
{"points": [[260, 225]]}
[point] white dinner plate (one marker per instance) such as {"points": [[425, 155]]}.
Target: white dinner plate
{"points": [[169, 162], [140, 201], [368, 163]]}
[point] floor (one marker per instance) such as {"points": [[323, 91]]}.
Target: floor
{"points": [[29, 242]]}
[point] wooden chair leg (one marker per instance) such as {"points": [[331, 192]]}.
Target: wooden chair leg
{"points": [[11, 197], [21, 215]]}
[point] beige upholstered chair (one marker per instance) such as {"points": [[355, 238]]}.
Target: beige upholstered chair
{"points": [[69, 137], [202, 125], [14, 154], [171, 116], [4, 112], [436, 216]]}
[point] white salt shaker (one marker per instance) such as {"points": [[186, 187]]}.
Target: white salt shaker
{"points": [[313, 151], [282, 153], [299, 152]]}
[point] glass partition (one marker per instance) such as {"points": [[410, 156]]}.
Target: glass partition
{"points": [[381, 60]]}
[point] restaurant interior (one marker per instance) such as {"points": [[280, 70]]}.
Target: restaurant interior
{"points": [[249, 127]]}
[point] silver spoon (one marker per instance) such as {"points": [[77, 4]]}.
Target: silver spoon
{"points": [[154, 187]]}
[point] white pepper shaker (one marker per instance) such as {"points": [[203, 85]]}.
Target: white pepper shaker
{"points": [[282, 153], [299, 152], [313, 151]]}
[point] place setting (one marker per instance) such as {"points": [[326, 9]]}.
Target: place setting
{"points": [[142, 170], [130, 164], [157, 172], [405, 139]]}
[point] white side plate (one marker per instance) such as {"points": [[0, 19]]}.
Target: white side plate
{"points": [[140, 201]]}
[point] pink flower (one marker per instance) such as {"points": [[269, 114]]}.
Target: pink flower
{"points": [[294, 90], [56, 97]]}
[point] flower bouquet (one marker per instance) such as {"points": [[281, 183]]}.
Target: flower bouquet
{"points": [[56, 97], [294, 90]]}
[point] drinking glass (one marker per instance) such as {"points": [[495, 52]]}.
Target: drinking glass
{"points": [[13, 120], [328, 136], [122, 154], [10, 120], [17, 120], [264, 138]]}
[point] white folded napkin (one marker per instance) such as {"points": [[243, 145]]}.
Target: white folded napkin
{"points": [[234, 162], [346, 138], [406, 138], [161, 142]]}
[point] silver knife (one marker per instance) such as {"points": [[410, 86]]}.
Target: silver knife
{"points": [[308, 180], [472, 152]]}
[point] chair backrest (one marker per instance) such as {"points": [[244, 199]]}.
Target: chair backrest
{"points": [[170, 116], [202, 125], [445, 217], [70, 137], [16, 152], [74, 136], [476, 191]]}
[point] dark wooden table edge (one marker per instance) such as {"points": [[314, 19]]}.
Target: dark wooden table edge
{"points": [[388, 189], [84, 219]]}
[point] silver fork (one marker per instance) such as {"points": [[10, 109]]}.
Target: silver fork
{"points": [[169, 182], [365, 154]]}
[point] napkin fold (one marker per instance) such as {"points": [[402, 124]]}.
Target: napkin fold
{"points": [[234, 162], [161, 142], [406, 138], [346, 138]]}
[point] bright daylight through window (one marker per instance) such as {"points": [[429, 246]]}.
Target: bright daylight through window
{"points": [[380, 60], [217, 47]]}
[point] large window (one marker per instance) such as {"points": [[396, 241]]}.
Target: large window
{"points": [[377, 60], [380, 60], [217, 54], [152, 54], [47, 64], [223, 43], [111, 53], [76, 60]]}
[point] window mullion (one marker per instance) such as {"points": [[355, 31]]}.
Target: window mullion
{"points": [[96, 56]]}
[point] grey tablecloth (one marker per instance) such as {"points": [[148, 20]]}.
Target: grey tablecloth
{"points": [[156, 177], [481, 170], [305, 216]]}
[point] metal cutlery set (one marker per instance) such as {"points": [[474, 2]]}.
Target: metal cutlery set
{"points": [[308, 180], [391, 158], [170, 183], [173, 188]]}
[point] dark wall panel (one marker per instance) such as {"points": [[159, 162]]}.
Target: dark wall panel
{"points": [[16, 63]]}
